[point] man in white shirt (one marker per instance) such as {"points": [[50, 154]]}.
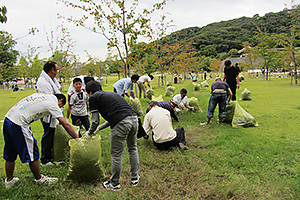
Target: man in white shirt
{"points": [[164, 136], [141, 83], [181, 100], [19, 139], [47, 84]]}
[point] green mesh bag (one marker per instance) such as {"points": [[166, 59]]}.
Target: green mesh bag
{"points": [[197, 86], [85, 160], [158, 99], [149, 93], [170, 91], [193, 102], [246, 95], [137, 106], [61, 149], [242, 118], [204, 84]]}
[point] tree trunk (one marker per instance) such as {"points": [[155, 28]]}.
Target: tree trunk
{"points": [[295, 78], [162, 75]]}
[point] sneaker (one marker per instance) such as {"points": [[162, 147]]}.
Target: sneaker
{"points": [[47, 164], [10, 183], [107, 185], [204, 123], [135, 181], [183, 146], [45, 179]]}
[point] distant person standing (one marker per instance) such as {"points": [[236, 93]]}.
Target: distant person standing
{"points": [[121, 86], [47, 84], [141, 84], [231, 75], [237, 67]]}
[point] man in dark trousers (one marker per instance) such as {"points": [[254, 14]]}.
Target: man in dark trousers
{"points": [[231, 75], [123, 122]]}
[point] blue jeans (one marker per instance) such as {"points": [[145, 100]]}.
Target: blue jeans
{"points": [[220, 99], [81, 120], [47, 143]]}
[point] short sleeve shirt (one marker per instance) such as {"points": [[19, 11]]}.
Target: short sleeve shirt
{"points": [[123, 85], [112, 107], [78, 101], [231, 74], [33, 108], [144, 78], [183, 100], [219, 85]]}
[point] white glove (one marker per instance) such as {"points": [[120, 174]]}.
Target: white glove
{"points": [[67, 120], [87, 136], [97, 130], [130, 98]]}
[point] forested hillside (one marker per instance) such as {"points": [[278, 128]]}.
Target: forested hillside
{"points": [[204, 48], [225, 35]]}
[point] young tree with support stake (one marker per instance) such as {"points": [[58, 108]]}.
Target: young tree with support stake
{"points": [[117, 20]]}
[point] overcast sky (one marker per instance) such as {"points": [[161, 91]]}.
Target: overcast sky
{"points": [[25, 14]]}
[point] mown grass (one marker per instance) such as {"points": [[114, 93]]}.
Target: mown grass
{"points": [[223, 162]]}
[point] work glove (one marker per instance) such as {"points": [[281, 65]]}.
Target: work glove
{"points": [[97, 129], [87, 136], [130, 98]]}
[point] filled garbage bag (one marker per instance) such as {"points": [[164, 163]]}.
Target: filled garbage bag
{"points": [[237, 116], [193, 102], [168, 84], [137, 106], [158, 99], [246, 95], [149, 93], [242, 118], [170, 91], [230, 107], [61, 149], [204, 84], [85, 160], [197, 86]]}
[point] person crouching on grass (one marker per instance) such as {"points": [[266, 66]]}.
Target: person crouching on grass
{"points": [[220, 94], [19, 139]]}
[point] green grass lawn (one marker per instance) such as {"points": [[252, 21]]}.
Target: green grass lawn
{"points": [[223, 162]]}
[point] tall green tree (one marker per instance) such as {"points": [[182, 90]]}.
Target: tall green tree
{"points": [[266, 50], [3, 17], [117, 20], [290, 41], [8, 57]]}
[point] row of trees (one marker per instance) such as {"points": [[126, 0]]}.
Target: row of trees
{"points": [[121, 24]]}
